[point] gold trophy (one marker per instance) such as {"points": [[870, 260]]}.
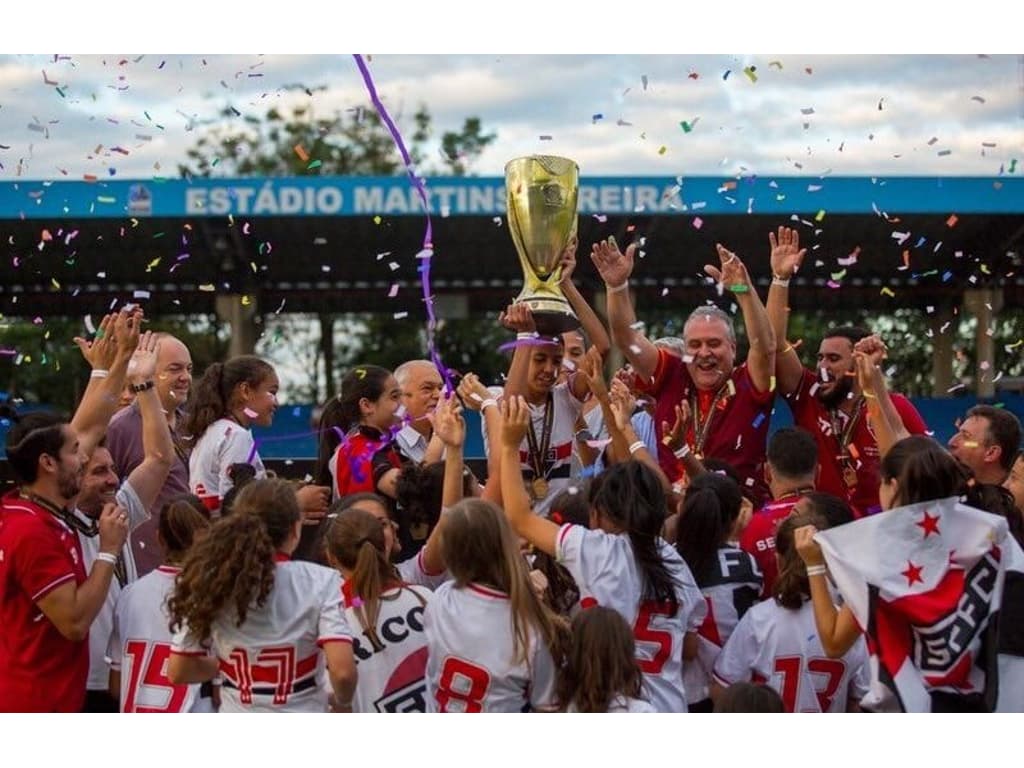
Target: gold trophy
{"points": [[542, 197]]}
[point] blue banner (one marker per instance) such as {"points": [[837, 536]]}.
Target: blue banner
{"points": [[454, 196]]}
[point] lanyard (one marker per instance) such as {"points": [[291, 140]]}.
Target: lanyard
{"points": [[845, 434], [539, 454], [701, 429]]}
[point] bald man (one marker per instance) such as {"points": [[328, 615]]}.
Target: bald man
{"points": [[173, 383]]}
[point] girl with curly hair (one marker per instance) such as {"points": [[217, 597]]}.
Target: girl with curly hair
{"points": [[242, 607]]}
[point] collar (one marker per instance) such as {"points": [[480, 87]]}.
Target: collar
{"points": [[367, 431]]}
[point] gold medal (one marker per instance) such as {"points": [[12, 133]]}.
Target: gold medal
{"points": [[540, 488], [850, 477]]}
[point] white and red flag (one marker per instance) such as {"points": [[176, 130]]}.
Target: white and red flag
{"points": [[925, 583]]}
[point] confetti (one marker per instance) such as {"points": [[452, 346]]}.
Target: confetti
{"points": [[886, 291], [698, 222], [751, 73], [662, 150], [596, 117], [952, 220], [250, 413]]}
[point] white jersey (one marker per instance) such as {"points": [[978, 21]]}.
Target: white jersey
{"points": [[392, 671], [780, 647], [413, 571], [470, 666], [558, 466], [273, 662], [731, 586], [140, 645], [225, 442], [606, 572], [623, 704], [99, 630]]}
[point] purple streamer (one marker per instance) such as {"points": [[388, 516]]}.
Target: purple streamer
{"points": [[428, 245]]}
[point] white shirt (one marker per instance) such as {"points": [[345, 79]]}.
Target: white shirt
{"points": [[606, 572], [470, 663], [391, 676], [413, 571], [780, 647], [563, 431], [102, 625], [140, 645], [224, 443], [273, 662], [411, 444], [625, 704]]}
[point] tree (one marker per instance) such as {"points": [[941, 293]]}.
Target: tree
{"points": [[355, 142]]}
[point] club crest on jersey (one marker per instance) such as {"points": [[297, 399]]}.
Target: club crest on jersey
{"points": [[406, 689]]}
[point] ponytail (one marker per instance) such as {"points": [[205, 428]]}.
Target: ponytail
{"points": [[710, 508], [630, 495], [213, 393], [355, 541], [182, 520], [792, 588]]}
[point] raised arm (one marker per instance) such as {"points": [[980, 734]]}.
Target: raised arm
{"points": [[592, 325], [519, 318], [885, 420], [541, 533], [786, 257], [477, 397], [107, 354], [450, 428], [615, 267], [622, 405], [733, 276], [148, 478], [674, 438], [837, 628]]}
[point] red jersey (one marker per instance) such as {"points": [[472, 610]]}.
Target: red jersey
{"points": [[361, 460], [758, 538], [40, 669], [810, 414], [738, 429]]}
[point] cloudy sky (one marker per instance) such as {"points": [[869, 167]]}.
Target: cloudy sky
{"points": [[133, 116]]}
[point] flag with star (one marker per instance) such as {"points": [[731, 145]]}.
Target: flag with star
{"points": [[925, 583]]}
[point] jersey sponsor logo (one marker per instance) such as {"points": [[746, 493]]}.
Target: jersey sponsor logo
{"points": [[406, 689], [393, 630]]}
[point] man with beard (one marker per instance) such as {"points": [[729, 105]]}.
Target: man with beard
{"points": [[172, 383], [47, 602], [730, 404], [829, 403], [99, 487]]}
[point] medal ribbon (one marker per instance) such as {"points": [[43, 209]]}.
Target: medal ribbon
{"points": [[538, 455]]}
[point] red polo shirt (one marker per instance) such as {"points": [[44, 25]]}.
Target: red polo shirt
{"points": [[40, 669], [739, 428], [810, 414]]}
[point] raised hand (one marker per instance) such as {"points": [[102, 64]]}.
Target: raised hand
{"points": [[472, 392], [142, 366], [673, 437], [787, 255], [448, 422], [613, 265], [873, 347], [518, 318], [568, 262], [113, 526], [127, 330], [732, 274], [592, 367], [101, 351], [807, 547], [515, 420], [622, 404], [313, 501]]}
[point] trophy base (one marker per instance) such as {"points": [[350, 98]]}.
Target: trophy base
{"points": [[553, 316]]}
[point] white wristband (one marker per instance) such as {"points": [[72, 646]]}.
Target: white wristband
{"points": [[816, 570], [616, 288], [99, 373], [784, 282], [487, 403], [637, 446], [526, 335], [682, 451], [106, 557]]}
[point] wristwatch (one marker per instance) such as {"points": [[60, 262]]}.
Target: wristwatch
{"points": [[137, 388], [583, 435]]}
